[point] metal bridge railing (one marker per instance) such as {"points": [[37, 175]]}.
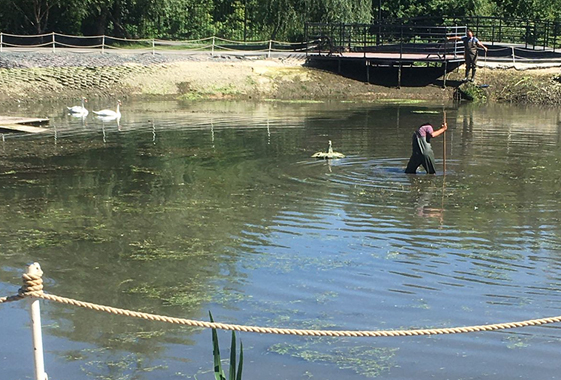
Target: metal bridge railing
{"points": [[383, 37], [529, 34]]}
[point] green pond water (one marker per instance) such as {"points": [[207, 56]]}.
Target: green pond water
{"points": [[180, 209]]}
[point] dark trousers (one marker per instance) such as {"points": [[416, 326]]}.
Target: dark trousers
{"points": [[471, 64], [422, 155]]}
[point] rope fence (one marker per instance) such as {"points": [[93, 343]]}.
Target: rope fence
{"points": [[32, 290], [100, 43], [215, 45]]}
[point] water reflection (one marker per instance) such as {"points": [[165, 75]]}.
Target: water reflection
{"points": [[218, 206], [430, 201], [81, 117], [109, 121]]}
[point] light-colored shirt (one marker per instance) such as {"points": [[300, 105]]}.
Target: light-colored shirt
{"points": [[470, 44], [425, 129]]}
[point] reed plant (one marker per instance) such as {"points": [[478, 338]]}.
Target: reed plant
{"points": [[235, 371]]}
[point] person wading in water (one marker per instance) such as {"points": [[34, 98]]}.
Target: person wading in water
{"points": [[422, 149], [470, 52]]}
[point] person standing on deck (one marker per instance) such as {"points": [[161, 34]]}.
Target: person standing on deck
{"points": [[422, 149], [470, 52]]}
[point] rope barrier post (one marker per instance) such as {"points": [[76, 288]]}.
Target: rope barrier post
{"points": [[153, 47], [1, 41], [212, 48], [102, 44], [53, 42], [33, 271], [270, 47]]}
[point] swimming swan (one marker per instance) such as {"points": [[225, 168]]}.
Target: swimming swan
{"points": [[79, 110], [110, 113]]}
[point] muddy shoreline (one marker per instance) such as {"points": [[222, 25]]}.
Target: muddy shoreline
{"points": [[30, 77]]}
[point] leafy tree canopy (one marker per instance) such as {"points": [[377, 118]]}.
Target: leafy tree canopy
{"points": [[240, 19]]}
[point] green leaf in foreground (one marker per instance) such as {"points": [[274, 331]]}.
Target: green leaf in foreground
{"points": [[234, 374]]}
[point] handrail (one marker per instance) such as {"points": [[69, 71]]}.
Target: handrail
{"points": [[536, 34]]}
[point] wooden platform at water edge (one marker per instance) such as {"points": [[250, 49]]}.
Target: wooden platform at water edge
{"points": [[23, 124]]}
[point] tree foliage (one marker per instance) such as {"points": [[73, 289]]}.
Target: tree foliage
{"points": [[240, 19]]}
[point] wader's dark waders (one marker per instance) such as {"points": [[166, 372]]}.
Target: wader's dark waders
{"points": [[422, 155], [471, 58]]}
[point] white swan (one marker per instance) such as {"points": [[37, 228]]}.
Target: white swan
{"points": [[106, 114], [79, 110]]}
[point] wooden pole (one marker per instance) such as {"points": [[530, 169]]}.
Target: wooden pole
{"points": [[270, 48], [35, 312], [485, 68], [444, 147]]}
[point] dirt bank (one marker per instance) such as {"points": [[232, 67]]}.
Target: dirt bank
{"points": [[287, 78], [197, 79]]}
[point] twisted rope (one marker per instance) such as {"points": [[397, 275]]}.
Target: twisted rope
{"points": [[299, 332], [33, 287]]}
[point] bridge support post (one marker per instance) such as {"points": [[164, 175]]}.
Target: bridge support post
{"points": [[445, 74]]}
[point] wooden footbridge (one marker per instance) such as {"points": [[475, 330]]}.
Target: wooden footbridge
{"points": [[383, 45], [422, 43]]}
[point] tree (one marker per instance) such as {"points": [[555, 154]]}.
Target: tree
{"points": [[241, 19], [33, 14]]}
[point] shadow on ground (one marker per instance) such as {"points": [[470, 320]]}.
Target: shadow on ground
{"points": [[415, 76]]}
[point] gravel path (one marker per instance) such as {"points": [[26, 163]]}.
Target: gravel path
{"points": [[61, 58], [10, 60]]}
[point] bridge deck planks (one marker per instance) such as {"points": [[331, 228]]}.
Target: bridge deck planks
{"points": [[23, 124]]}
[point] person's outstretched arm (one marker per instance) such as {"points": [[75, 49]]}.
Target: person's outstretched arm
{"points": [[481, 45], [440, 131]]}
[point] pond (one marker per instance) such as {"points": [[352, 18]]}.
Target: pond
{"points": [[182, 209]]}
